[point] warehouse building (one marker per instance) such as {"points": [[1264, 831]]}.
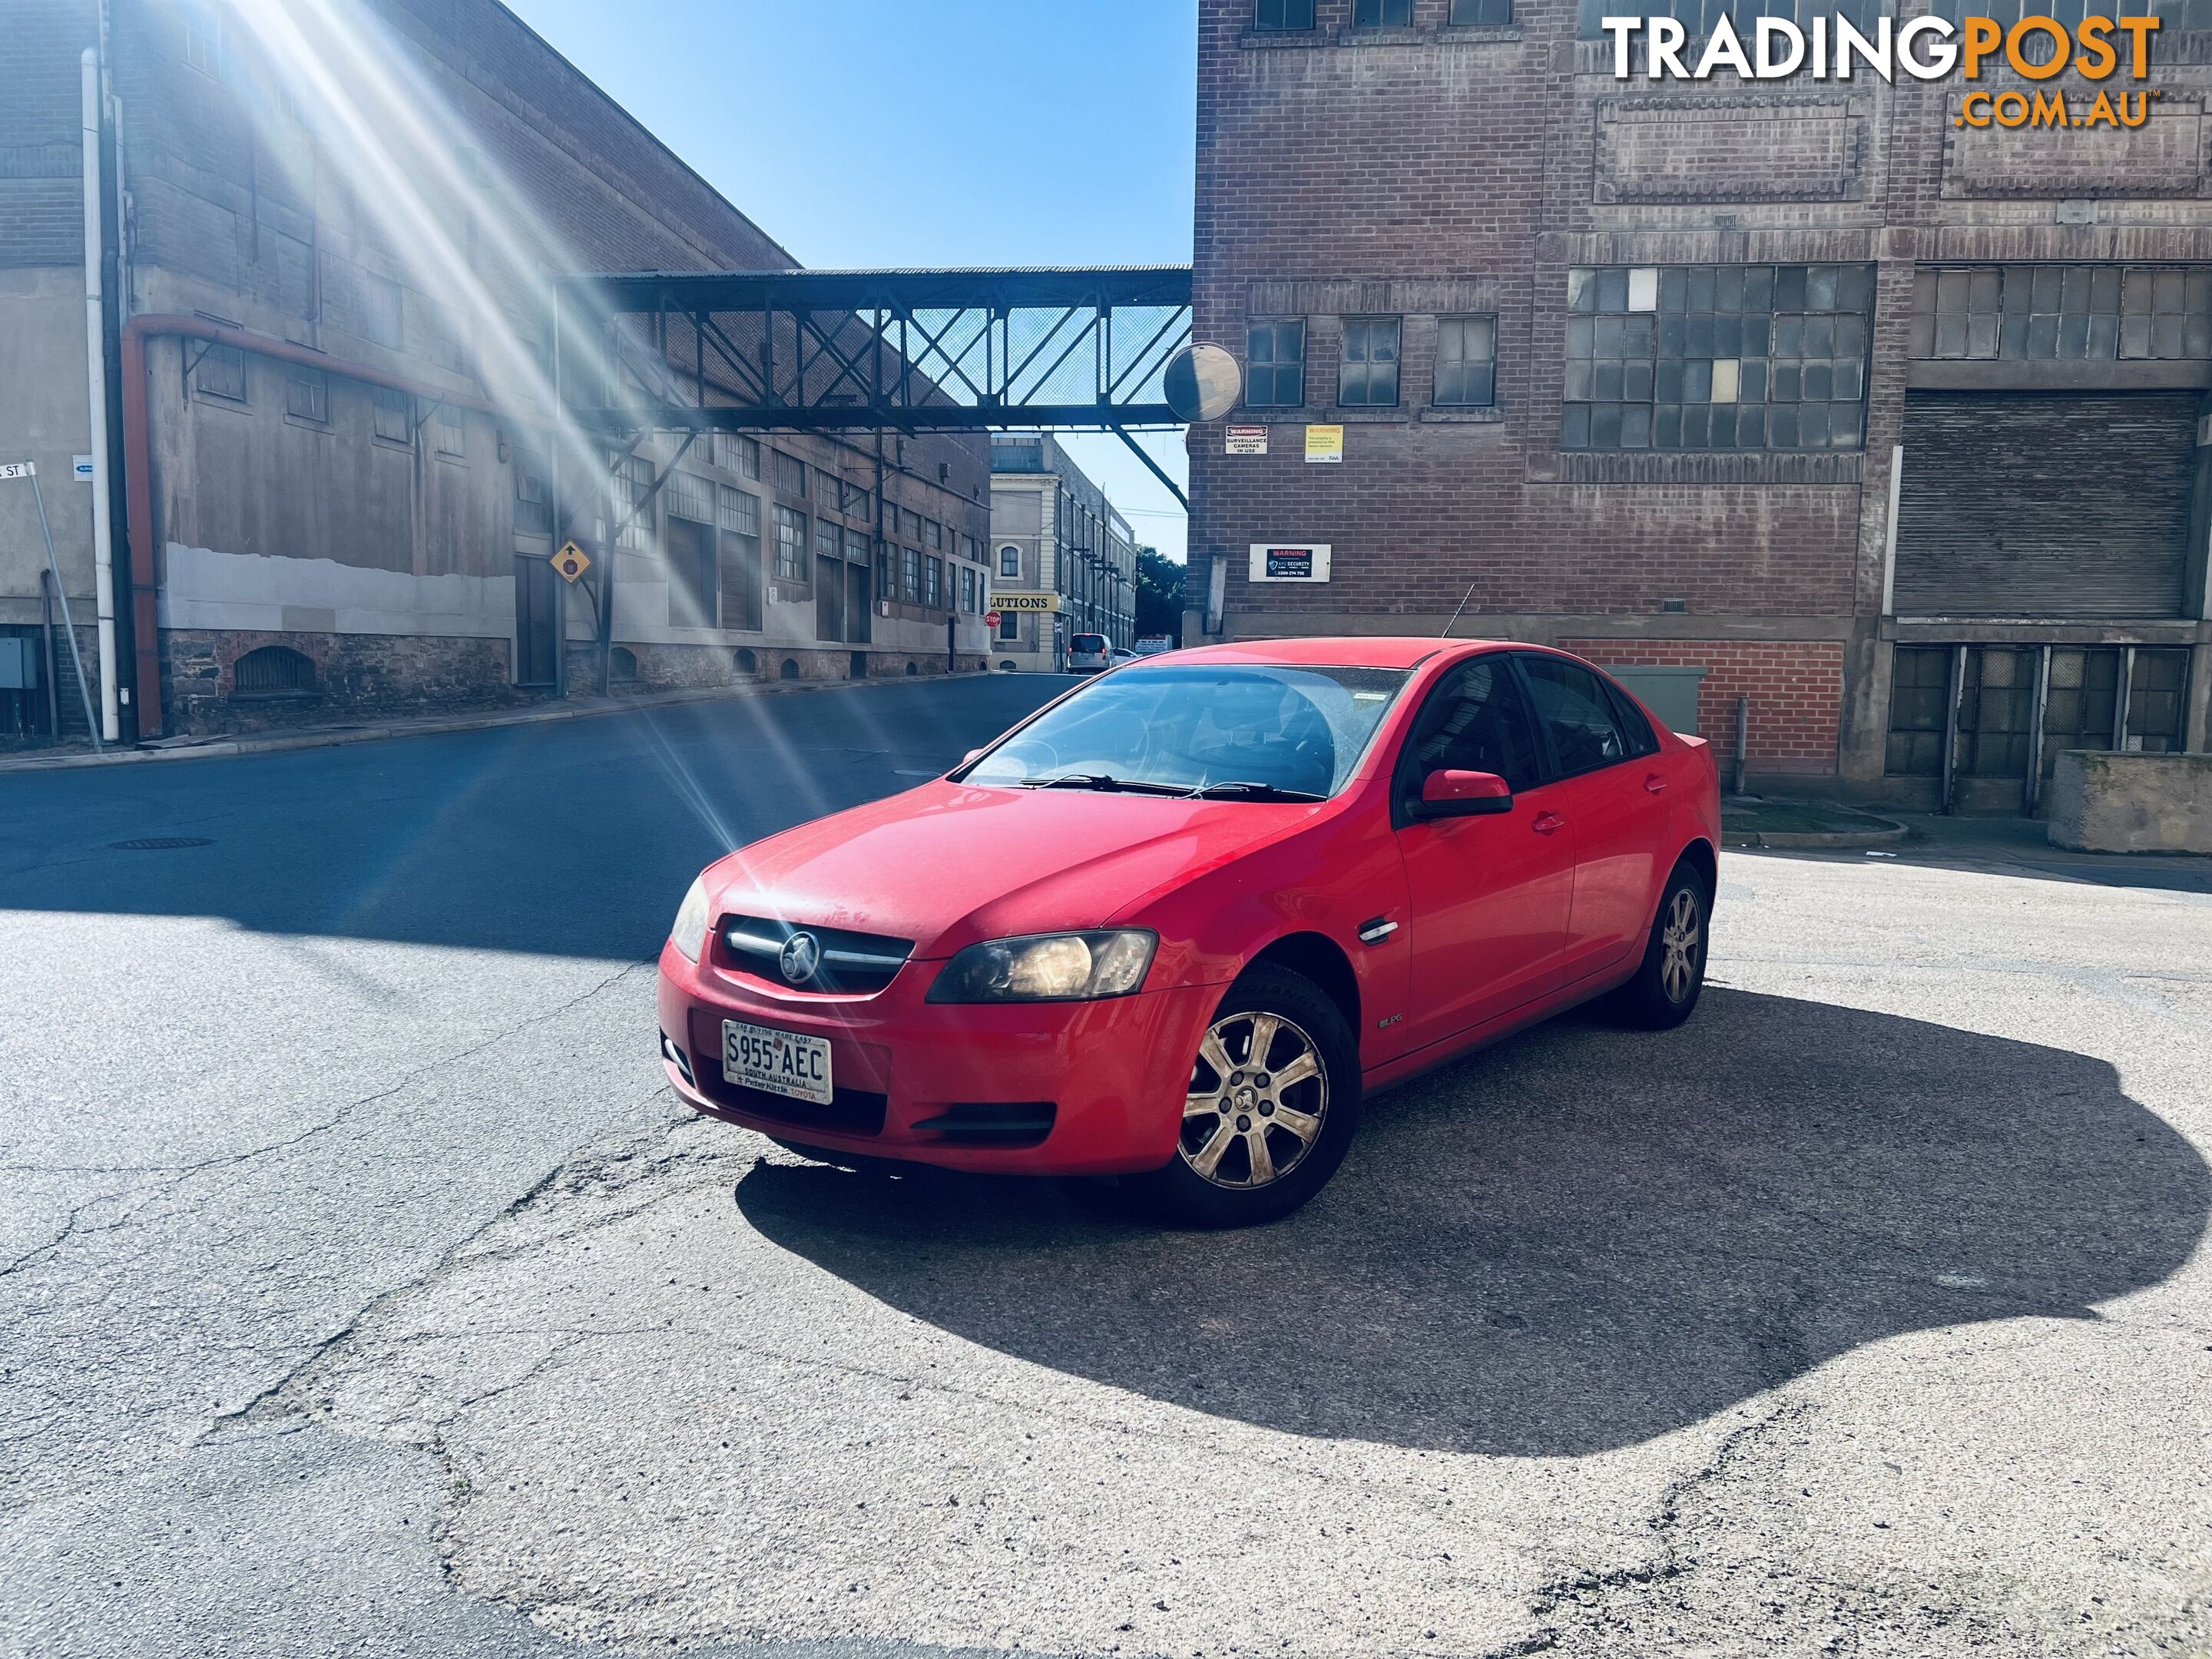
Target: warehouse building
{"points": [[1820, 394], [332, 479], [1064, 560]]}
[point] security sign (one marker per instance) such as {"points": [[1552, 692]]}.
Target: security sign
{"points": [[572, 561]]}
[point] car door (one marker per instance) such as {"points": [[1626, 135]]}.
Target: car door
{"points": [[1488, 897], [1611, 792]]}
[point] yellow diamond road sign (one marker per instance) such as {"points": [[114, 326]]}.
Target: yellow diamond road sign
{"points": [[572, 561]]}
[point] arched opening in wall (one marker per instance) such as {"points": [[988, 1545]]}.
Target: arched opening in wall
{"points": [[745, 660], [913, 668], [621, 664], [273, 671], [790, 669], [1007, 666]]}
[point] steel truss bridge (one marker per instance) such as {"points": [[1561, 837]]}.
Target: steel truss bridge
{"points": [[903, 351]]}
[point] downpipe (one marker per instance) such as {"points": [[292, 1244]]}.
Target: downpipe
{"points": [[95, 332]]}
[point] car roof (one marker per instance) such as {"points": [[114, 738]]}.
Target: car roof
{"points": [[1340, 651]]}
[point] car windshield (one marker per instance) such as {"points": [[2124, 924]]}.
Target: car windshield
{"points": [[1258, 732]]}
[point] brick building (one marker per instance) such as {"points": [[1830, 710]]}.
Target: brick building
{"points": [[1803, 389], [329, 234], [1054, 539]]}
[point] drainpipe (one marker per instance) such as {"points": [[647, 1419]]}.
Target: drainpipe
{"points": [[138, 462], [95, 335]]}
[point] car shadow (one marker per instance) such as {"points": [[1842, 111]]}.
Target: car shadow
{"points": [[1575, 1242]]}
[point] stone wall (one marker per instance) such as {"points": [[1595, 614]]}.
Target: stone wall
{"points": [[2106, 802]]}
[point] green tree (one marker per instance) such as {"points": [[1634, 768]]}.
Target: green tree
{"points": [[1159, 595]]}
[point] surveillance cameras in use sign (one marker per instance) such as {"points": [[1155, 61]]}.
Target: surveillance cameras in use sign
{"points": [[1926, 48], [1289, 561]]}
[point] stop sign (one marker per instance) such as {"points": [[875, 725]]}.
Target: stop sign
{"points": [[990, 619]]}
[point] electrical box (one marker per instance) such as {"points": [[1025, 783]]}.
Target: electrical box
{"points": [[19, 663]]}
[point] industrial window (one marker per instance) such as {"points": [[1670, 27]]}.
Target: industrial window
{"points": [[204, 40], [1919, 694], [1009, 624], [738, 454], [829, 492], [829, 539], [1275, 371], [1699, 16], [689, 498], [1283, 14], [790, 544], [2177, 14], [1481, 11], [887, 585], [1383, 14], [380, 309], [971, 550], [272, 670], [933, 534], [221, 373], [932, 582], [1010, 561], [1998, 688], [967, 589], [307, 394], [1716, 357], [912, 520], [631, 488], [533, 501], [453, 438], [739, 513], [1467, 361], [856, 548], [1369, 376], [790, 474], [852, 500], [395, 421], [913, 584], [2049, 313]]}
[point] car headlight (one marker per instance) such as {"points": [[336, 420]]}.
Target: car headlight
{"points": [[688, 935], [1048, 967]]}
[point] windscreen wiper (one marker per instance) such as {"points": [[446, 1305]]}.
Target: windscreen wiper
{"points": [[1248, 791], [1105, 780]]}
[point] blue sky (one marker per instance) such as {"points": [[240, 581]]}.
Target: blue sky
{"points": [[951, 132]]}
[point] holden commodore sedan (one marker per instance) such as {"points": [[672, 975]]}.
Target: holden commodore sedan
{"points": [[1176, 925]]}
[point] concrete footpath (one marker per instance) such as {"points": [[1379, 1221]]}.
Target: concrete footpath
{"points": [[324, 736]]}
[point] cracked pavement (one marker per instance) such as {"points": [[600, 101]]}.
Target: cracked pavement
{"points": [[366, 1293]]}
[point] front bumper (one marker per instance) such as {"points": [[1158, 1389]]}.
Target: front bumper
{"points": [[1113, 1072]]}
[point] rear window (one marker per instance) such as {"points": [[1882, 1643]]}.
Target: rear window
{"points": [[1087, 642]]}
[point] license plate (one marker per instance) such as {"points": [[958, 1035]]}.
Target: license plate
{"points": [[781, 1062]]}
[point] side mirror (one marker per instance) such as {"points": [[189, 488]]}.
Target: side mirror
{"points": [[1450, 794]]}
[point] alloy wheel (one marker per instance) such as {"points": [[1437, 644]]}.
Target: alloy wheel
{"points": [[1679, 940], [1258, 1093]]}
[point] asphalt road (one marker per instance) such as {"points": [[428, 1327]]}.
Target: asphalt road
{"points": [[362, 1290]]}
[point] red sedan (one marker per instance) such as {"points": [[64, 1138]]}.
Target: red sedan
{"points": [[1176, 925]]}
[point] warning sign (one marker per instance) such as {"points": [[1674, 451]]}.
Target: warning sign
{"points": [[572, 561], [1325, 443], [1245, 440]]}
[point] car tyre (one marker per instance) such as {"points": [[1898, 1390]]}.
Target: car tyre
{"points": [[1262, 1134], [1666, 983]]}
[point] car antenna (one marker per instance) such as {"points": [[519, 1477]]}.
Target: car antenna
{"points": [[1463, 598]]}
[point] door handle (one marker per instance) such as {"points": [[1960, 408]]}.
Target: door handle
{"points": [[1654, 785], [1547, 823]]}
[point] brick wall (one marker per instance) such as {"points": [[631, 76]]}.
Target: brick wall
{"points": [[1796, 687]]}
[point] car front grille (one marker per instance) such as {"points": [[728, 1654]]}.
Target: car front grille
{"points": [[845, 963]]}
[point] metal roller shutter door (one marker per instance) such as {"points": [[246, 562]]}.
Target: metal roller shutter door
{"points": [[2040, 504]]}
